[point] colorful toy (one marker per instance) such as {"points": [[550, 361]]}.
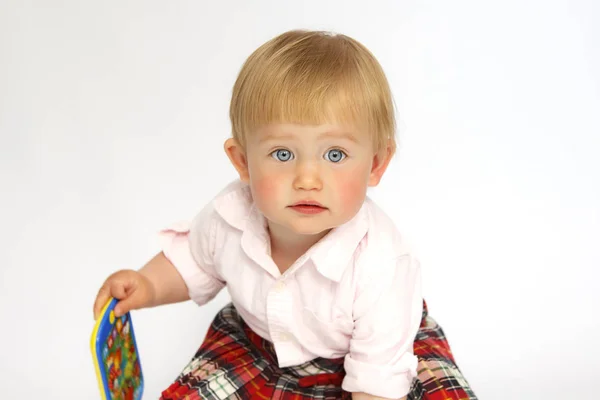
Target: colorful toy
{"points": [[116, 356]]}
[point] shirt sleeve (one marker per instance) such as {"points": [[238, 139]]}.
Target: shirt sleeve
{"points": [[190, 246], [387, 313]]}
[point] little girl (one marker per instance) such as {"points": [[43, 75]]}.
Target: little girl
{"points": [[326, 295]]}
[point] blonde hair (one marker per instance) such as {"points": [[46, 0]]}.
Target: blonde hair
{"points": [[313, 77]]}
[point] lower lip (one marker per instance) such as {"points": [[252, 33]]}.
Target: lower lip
{"points": [[308, 209]]}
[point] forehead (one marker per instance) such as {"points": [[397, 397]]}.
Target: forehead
{"points": [[290, 131]]}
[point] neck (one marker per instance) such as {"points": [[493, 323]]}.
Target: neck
{"points": [[292, 245]]}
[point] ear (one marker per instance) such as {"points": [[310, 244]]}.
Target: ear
{"points": [[238, 159], [381, 160]]}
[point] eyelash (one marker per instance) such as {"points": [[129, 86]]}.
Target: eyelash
{"points": [[274, 154], [344, 153]]}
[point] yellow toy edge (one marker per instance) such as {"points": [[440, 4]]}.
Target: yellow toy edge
{"points": [[93, 348]]}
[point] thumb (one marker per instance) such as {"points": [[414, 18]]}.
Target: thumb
{"points": [[133, 301], [119, 290], [115, 288]]}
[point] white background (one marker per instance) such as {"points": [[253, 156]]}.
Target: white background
{"points": [[112, 119]]}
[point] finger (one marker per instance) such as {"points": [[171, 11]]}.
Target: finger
{"points": [[101, 299], [113, 287], [121, 291], [133, 301], [129, 295], [118, 290]]}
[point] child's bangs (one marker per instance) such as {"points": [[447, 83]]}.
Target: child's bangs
{"points": [[311, 103], [313, 79]]}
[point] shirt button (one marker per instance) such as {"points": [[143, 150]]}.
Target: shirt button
{"points": [[284, 337], [280, 286]]}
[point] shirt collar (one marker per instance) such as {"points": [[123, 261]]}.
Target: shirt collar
{"points": [[234, 204], [330, 255], [333, 253]]}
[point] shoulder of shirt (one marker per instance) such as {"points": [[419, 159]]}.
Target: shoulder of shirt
{"points": [[382, 246], [230, 206], [235, 189]]}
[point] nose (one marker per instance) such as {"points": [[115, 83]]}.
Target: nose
{"points": [[307, 177]]}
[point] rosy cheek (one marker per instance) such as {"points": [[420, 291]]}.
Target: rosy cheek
{"points": [[351, 191], [266, 187], [260, 177]]}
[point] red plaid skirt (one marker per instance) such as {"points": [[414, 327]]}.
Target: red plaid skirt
{"points": [[236, 363]]}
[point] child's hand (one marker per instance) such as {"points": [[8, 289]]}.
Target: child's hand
{"points": [[132, 288]]}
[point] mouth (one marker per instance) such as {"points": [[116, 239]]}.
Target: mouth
{"points": [[308, 207], [308, 203]]}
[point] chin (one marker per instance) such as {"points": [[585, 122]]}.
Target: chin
{"points": [[312, 232], [308, 228]]}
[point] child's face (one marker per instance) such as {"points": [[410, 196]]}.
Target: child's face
{"points": [[288, 164]]}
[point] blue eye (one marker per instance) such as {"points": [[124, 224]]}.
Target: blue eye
{"points": [[335, 155], [282, 155]]}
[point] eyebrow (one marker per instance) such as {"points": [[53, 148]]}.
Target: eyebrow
{"points": [[343, 135]]}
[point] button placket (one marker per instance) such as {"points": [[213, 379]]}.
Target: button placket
{"points": [[279, 313]]}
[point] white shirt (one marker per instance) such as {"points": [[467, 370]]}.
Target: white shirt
{"points": [[354, 294]]}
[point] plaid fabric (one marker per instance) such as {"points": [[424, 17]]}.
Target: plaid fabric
{"points": [[236, 363], [438, 376]]}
